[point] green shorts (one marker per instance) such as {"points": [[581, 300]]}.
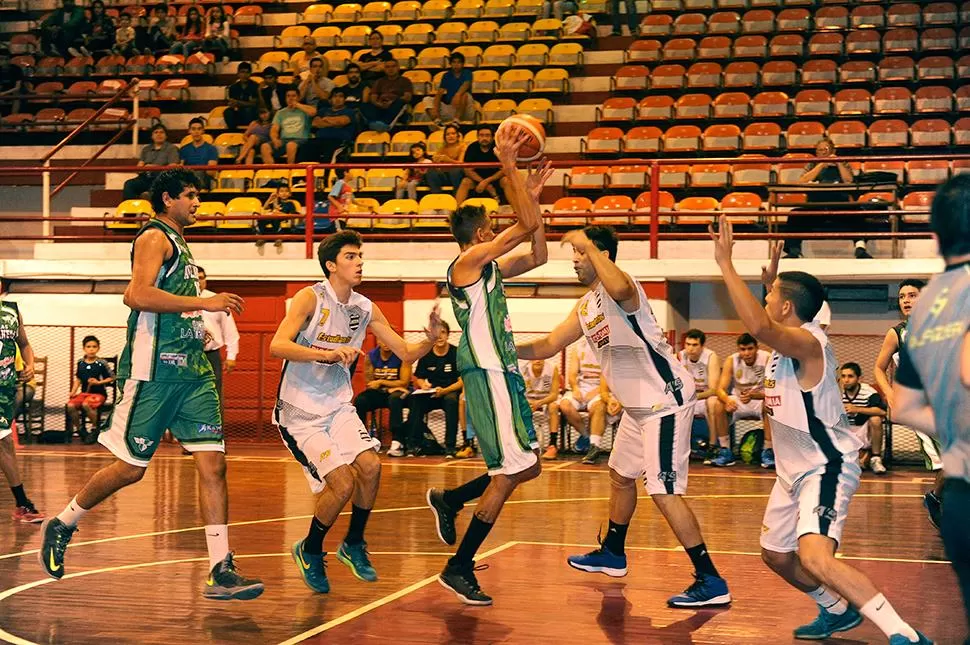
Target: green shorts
{"points": [[146, 409], [499, 411], [8, 400]]}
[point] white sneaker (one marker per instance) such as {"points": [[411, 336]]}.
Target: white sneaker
{"points": [[875, 464], [396, 449]]}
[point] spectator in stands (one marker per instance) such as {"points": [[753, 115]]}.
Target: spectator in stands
{"points": [[271, 94], [279, 203], [62, 29], [436, 371], [291, 128], [256, 135], [11, 80], [98, 34], [559, 9], [372, 62], [300, 62], [631, 17], [387, 385], [340, 198], [452, 151], [217, 34], [825, 172], [390, 99], [357, 92], [199, 152], [335, 129], [220, 331], [243, 98], [583, 376], [866, 411], [453, 101], [316, 86], [741, 394], [88, 391], [192, 34], [408, 184], [481, 182], [542, 387], [125, 44], [160, 152], [162, 31]]}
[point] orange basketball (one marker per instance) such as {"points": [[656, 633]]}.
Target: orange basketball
{"points": [[531, 149]]}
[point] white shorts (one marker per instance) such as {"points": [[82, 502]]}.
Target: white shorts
{"points": [[931, 452], [657, 449], [588, 400], [322, 443], [700, 409], [862, 433], [750, 410], [816, 503]]}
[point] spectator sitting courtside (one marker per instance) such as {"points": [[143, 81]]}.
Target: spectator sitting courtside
{"points": [[217, 33], [387, 385], [272, 95], [160, 152], [438, 371], [88, 392]]}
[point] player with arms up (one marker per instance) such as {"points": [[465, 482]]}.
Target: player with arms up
{"points": [[495, 391], [817, 455], [165, 382], [657, 395], [320, 340]]}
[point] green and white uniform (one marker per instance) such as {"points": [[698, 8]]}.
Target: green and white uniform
{"points": [[495, 392], [165, 381], [9, 332]]}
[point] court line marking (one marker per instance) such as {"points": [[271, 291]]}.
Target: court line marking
{"points": [[380, 602]]}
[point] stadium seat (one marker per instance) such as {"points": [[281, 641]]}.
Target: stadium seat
{"points": [[718, 47], [629, 177], [551, 81], [832, 18], [848, 134], [240, 206], [867, 17], [682, 138], [770, 104], [498, 56], [450, 33], [786, 45], [267, 180], [514, 32], [484, 81], [376, 12], [438, 207], [110, 65], [495, 111], [920, 202], [420, 79], [791, 173], [347, 13], [761, 136], [279, 60], [532, 55], [924, 171], [547, 29], [670, 76], [483, 32], [721, 138], [758, 21], [740, 202], [586, 178], [679, 49], [49, 66], [940, 13], [642, 140], [674, 175], [253, 15], [724, 22], [355, 36], [900, 41], [892, 100], [690, 24], [434, 58], [704, 75], [391, 33], [620, 204], [656, 25], [604, 140], [741, 74], [372, 144], [291, 36], [751, 174], [852, 102], [436, 10], [631, 78], [396, 207], [751, 47], [857, 72], [618, 108], [665, 201], [337, 59], [81, 89], [382, 180], [693, 106], [826, 44], [417, 34], [961, 132], [863, 42], [499, 9], [897, 68], [732, 105], [929, 133], [782, 73], [229, 144], [468, 10], [804, 135], [962, 98], [172, 89], [642, 51], [566, 54], [121, 219], [565, 208], [938, 39], [472, 53], [515, 81], [897, 168], [932, 68], [934, 98], [794, 19], [812, 103], [538, 108], [710, 175], [695, 205], [904, 15], [401, 142]]}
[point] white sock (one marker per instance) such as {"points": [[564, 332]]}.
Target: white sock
{"points": [[879, 611], [72, 513], [596, 440], [216, 543], [860, 245], [829, 602], [724, 442]]}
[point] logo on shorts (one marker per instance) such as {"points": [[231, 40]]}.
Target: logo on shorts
{"points": [[764, 529], [143, 443], [207, 428], [667, 476], [825, 513], [324, 455]]}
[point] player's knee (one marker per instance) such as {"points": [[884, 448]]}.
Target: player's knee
{"points": [[780, 563], [129, 474], [620, 482], [340, 481], [368, 465], [816, 561], [211, 465]]}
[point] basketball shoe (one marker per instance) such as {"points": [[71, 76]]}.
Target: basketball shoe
{"points": [[55, 536], [28, 514], [706, 591], [826, 624], [444, 516], [460, 578], [899, 639], [602, 560], [226, 583], [312, 567], [355, 556]]}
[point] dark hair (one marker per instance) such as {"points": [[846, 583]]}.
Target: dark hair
{"points": [[696, 334], [244, 66], [376, 33], [270, 71], [171, 182], [290, 88], [159, 126], [339, 90], [446, 326], [315, 59], [456, 56], [950, 216], [916, 283], [452, 126], [330, 247], [198, 120], [805, 292], [351, 66], [747, 339], [854, 367], [88, 339], [418, 144], [465, 221], [604, 238], [199, 269]]}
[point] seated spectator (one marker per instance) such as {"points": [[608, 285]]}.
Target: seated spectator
{"points": [[160, 152], [631, 17], [279, 203], [98, 35], [866, 412], [162, 30], [387, 385], [408, 184], [705, 368], [452, 151], [584, 377], [300, 61], [125, 44], [192, 34], [356, 91], [542, 387], [11, 80], [243, 98], [88, 392], [316, 86], [453, 100], [291, 128], [438, 371], [217, 31], [256, 135], [335, 129], [272, 95], [62, 29], [372, 62], [340, 198], [741, 395], [482, 182], [390, 99], [199, 152]]}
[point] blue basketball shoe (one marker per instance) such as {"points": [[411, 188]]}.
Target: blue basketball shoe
{"points": [[602, 560], [707, 591], [899, 639], [827, 623], [313, 568]]}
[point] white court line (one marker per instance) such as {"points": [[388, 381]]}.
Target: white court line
{"points": [[340, 620]]}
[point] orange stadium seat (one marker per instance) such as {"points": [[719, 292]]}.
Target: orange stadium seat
{"points": [[618, 108], [668, 76], [867, 17], [656, 25], [812, 103], [793, 20], [740, 201], [656, 107], [852, 102], [709, 175], [718, 47], [897, 68], [862, 42], [565, 209], [961, 132], [751, 47], [642, 140], [892, 100], [692, 106], [732, 105], [679, 49], [888, 133], [804, 135], [741, 74], [751, 174], [770, 104], [250, 15], [682, 138], [897, 168], [627, 177], [940, 13], [674, 175], [718, 138], [919, 201], [696, 205], [690, 24], [620, 204], [833, 18], [927, 171], [779, 74], [605, 140], [933, 68], [934, 98], [900, 41], [665, 201], [962, 98], [938, 39], [904, 15], [587, 178], [786, 45], [826, 44], [762, 136], [724, 22], [930, 133], [848, 134], [858, 71], [644, 50], [706, 75], [758, 21], [631, 77]]}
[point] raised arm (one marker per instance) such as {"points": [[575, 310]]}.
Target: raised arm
{"points": [[526, 195], [618, 284], [284, 343], [407, 352], [565, 334], [890, 345]]}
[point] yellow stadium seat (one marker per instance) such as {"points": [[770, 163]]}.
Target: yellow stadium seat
{"points": [[345, 13], [362, 205], [421, 80], [417, 34], [489, 204], [337, 58], [515, 81], [566, 54], [234, 180], [327, 37], [436, 10], [483, 31], [316, 14], [406, 11], [396, 207], [514, 32], [216, 118], [546, 29], [263, 177], [372, 144], [499, 9], [498, 56], [229, 144], [406, 56], [376, 12], [433, 58], [291, 36], [551, 81], [241, 206], [438, 207], [206, 210], [484, 81], [278, 60], [533, 55], [468, 9], [125, 211], [450, 33], [539, 108], [472, 54], [401, 143], [528, 9], [188, 139], [496, 110], [391, 34], [471, 137], [382, 179], [355, 36]]}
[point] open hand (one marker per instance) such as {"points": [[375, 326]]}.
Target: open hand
{"points": [[577, 238], [507, 149], [723, 238], [539, 174], [770, 272], [229, 303], [434, 324]]}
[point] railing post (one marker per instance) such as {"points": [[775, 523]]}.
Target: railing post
{"points": [[310, 206], [654, 210], [134, 130], [45, 199]]}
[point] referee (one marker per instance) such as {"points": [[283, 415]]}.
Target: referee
{"points": [[220, 332], [932, 389]]}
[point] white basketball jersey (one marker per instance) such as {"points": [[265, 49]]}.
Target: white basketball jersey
{"points": [[809, 429], [537, 387], [639, 365], [590, 370], [320, 388], [746, 377], [697, 370]]}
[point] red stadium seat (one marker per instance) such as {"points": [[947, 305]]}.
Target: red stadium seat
{"points": [[732, 105], [690, 24], [961, 132], [852, 101], [762, 136], [857, 72], [770, 104], [682, 138], [693, 106], [826, 45], [758, 21], [933, 68], [938, 39], [812, 103], [848, 134], [656, 107], [804, 135], [718, 47], [930, 133], [786, 45], [865, 41], [888, 133], [820, 72], [717, 138], [934, 98], [904, 15], [724, 22], [940, 13], [867, 17], [794, 20], [832, 18], [642, 140], [892, 100]]}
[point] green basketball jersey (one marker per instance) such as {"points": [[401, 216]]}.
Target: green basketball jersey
{"points": [[483, 314], [167, 347], [9, 332]]}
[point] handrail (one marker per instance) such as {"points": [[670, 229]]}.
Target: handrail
{"points": [[128, 126]]}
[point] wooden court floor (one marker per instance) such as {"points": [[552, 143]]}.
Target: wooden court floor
{"points": [[136, 567]]}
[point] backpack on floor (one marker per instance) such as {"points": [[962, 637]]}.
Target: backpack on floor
{"points": [[750, 447]]}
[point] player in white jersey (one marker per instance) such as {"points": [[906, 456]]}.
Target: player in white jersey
{"points": [[817, 454], [657, 395], [704, 366], [741, 395], [542, 387], [584, 376], [320, 341], [866, 412]]}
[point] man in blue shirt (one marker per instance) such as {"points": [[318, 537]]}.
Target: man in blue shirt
{"points": [[336, 127], [932, 389], [199, 152], [453, 101], [387, 385]]}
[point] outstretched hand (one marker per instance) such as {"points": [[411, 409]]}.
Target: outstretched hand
{"points": [[723, 237], [507, 148], [434, 325], [770, 272], [577, 238], [538, 174]]}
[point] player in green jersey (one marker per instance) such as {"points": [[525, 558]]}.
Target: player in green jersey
{"points": [[165, 382]]}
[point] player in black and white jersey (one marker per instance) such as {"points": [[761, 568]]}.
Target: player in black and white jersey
{"points": [[705, 367], [741, 395], [866, 412], [816, 453]]}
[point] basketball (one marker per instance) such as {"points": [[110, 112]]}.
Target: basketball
{"points": [[531, 149]]}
